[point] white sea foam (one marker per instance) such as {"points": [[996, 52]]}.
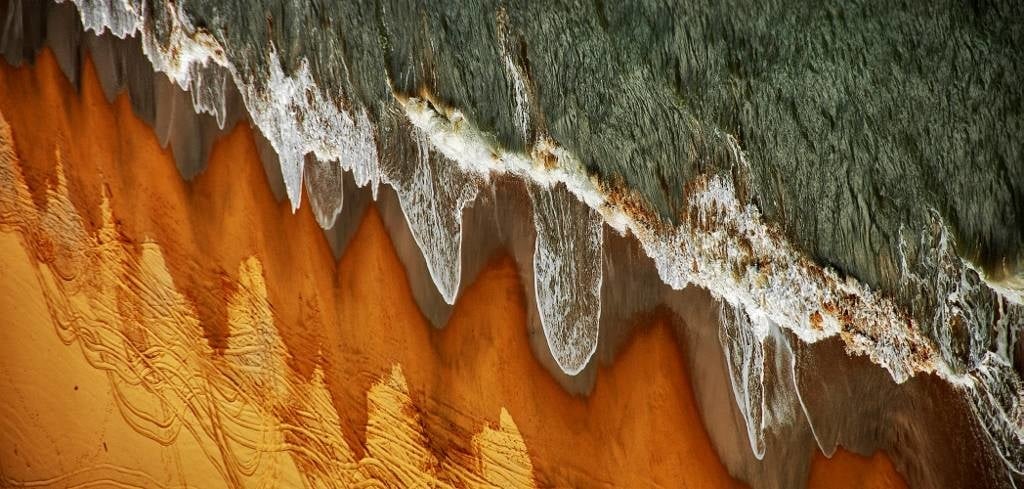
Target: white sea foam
{"points": [[568, 271], [432, 195], [194, 51], [291, 111], [743, 345]]}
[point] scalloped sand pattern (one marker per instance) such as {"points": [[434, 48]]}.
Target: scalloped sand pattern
{"points": [[239, 416], [118, 360]]}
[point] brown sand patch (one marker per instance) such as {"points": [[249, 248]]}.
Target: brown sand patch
{"points": [[847, 470]]}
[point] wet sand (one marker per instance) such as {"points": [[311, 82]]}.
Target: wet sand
{"points": [[265, 344]]}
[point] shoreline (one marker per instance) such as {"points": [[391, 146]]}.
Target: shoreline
{"points": [[203, 249]]}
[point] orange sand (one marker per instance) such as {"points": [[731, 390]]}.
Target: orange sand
{"points": [[847, 470], [346, 341]]}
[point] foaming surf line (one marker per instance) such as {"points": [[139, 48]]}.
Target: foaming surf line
{"points": [[722, 244]]}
